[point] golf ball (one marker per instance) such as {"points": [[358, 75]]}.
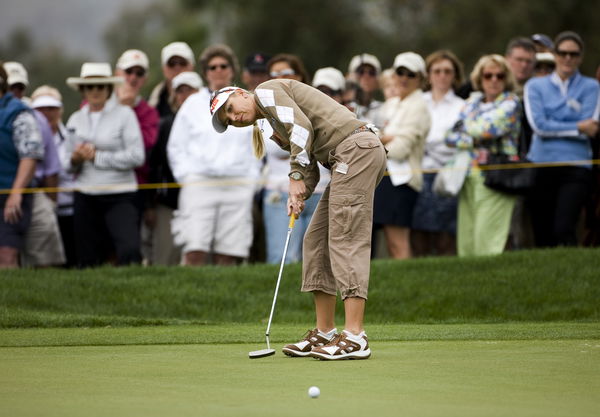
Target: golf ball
{"points": [[313, 392]]}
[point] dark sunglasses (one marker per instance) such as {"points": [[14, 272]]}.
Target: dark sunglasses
{"points": [[572, 54], [366, 71], [489, 75], [403, 72], [18, 86], [91, 87], [221, 66], [172, 63], [329, 91], [137, 71]]}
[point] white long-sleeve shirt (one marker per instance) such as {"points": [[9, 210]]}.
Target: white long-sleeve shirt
{"points": [[116, 134], [444, 115], [196, 149]]}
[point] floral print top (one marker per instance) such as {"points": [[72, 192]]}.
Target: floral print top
{"points": [[480, 124]]}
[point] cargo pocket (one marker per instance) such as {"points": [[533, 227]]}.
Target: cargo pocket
{"points": [[367, 143], [348, 217]]}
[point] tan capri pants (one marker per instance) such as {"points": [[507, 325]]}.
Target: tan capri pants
{"points": [[337, 244]]}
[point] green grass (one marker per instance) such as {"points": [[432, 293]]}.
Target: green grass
{"points": [[528, 378], [549, 285]]}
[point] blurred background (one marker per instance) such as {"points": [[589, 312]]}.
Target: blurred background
{"points": [[53, 38]]}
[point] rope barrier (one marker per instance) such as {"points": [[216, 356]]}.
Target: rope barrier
{"points": [[226, 182]]}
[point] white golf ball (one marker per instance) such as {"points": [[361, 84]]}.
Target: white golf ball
{"points": [[313, 392]]}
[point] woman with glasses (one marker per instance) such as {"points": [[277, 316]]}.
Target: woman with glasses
{"points": [[364, 70], [404, 138], [213, 222], [105, 146], [434, 219], [291, 67], [562, 109], [489, 122]]}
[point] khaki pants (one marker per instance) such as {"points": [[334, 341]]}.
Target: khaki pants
{"points": [[337, 244]]}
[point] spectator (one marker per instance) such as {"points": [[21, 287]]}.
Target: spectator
{"points": [[330, 81], [434, 217], [18, 80], [255, 70], [21, 147], [489, 122], [163, 201], [544, 64], [105, 148], [520, 56], [217, 173], [277, 181], [176, 58], [404, 138], [288, 66], [364, 69], [48, 101], [563, 111], [43, 245], [542, 42], [133, 66]]}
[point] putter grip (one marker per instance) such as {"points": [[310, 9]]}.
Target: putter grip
{"points": [[292, 220]]}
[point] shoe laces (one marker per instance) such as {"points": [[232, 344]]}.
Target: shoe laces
{"points": [[336, 339]]}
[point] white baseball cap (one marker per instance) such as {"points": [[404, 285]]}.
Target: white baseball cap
{"points": [[544, 57], [16, 72], [411, 61], [364, 59], [216, 102], [181, 49], [187, 78], [133, 58], [329, 77]]}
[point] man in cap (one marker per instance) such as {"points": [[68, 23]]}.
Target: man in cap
{"points": [[18, 80], [176, 58], [20, 148], [133, 66], [255, 70], [164, 201]]}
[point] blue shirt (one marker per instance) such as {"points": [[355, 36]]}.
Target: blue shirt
{"points": [[553, 108]]}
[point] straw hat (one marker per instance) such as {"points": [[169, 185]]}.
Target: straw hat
{"points": [[94, 73]]}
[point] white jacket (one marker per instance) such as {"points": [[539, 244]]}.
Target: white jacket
{"points": [[195, 148], [119, 149]]}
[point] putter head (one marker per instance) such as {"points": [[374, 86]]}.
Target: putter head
{"points": [[261, 353]]}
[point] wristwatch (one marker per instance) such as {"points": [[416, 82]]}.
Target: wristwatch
{"points": [[295, 175]]}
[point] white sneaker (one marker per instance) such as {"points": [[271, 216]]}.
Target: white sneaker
{"points": [[312, 338], [344, 346]]}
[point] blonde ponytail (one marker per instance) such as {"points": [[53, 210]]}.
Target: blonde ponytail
{"points": [[258, 143]]}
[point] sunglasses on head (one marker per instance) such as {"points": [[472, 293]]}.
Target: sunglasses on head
{"points": [[91, 87], [282, 73], [172, 63], [221, 66], [366, 71], [403, 72], [140, 72], [564, 54]]}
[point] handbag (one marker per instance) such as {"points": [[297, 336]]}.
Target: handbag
{"points": [[450, 179], [508, 176]]}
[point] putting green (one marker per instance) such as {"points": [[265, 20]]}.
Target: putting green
{"points": [[414, 378]]}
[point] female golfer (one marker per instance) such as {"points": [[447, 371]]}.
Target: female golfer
{"points": [[337, 245]]}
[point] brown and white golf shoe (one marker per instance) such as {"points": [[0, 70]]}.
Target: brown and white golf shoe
{"points": [[344, 346], [311, 339]]}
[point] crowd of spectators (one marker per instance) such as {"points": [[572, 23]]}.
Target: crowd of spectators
{"points": [[130, 181]]}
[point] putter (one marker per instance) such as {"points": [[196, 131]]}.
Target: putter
{"points": [[268, 351]]}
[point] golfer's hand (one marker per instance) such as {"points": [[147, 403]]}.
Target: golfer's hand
{"points": [[295, 203], [12, 209]]}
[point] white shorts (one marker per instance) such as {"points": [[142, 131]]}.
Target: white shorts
{"points": [[215, 215]]}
